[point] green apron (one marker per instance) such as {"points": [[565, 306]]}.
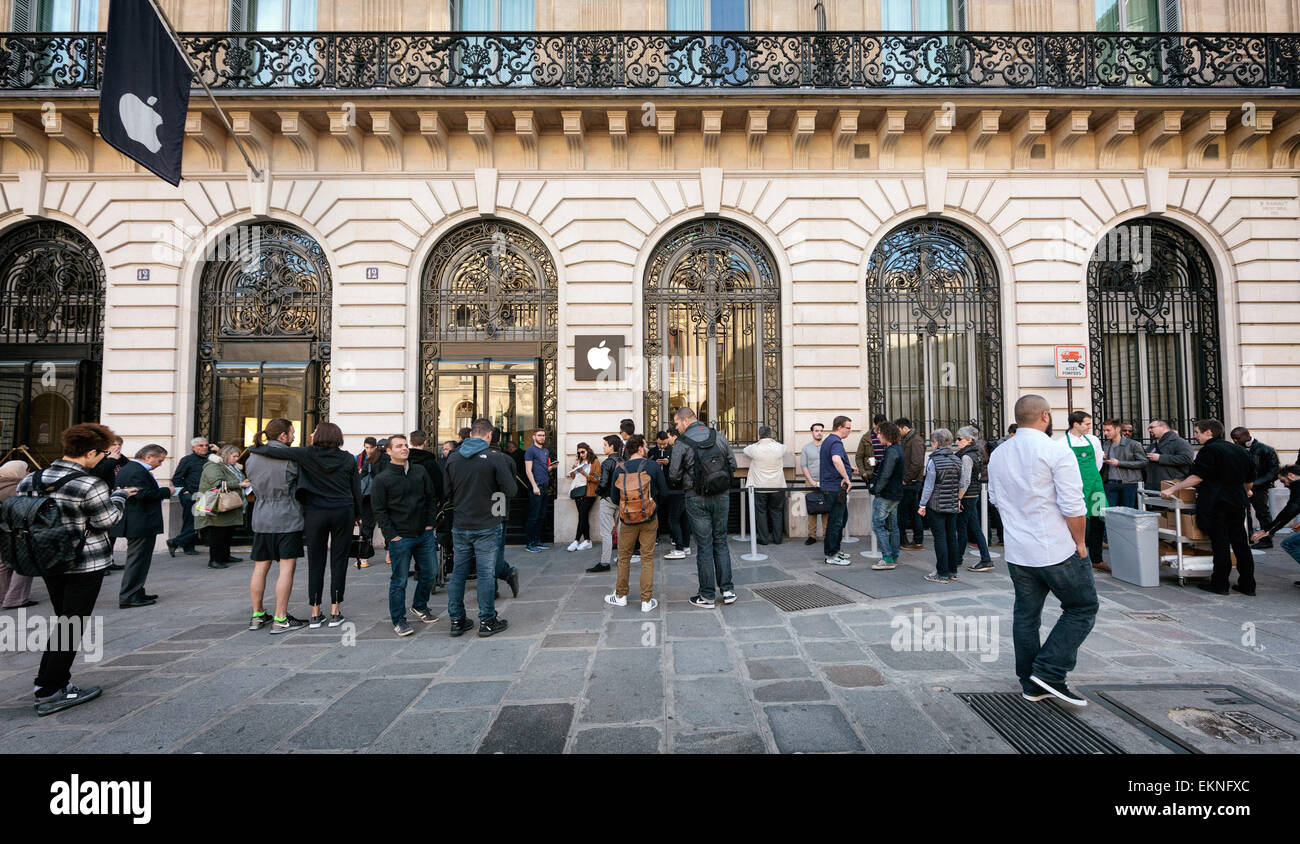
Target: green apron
{"points": [[1094, 491]]}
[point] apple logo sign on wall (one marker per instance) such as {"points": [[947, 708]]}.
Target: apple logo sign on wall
{"points": [[598, 357], [140, 121]]}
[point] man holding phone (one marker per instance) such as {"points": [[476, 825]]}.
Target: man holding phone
{"points": [[835, 482]]}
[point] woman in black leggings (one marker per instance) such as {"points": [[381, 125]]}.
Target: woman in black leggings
{"points": [[330, 490]]}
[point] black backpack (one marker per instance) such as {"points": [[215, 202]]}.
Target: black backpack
{"points": [[712, 475], [34, 541]]}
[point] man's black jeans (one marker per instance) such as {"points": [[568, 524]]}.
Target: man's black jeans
{"points": [[73, 596]]}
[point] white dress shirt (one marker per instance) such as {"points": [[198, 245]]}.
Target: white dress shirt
{"points": [[767, 458], [1035, 483]]}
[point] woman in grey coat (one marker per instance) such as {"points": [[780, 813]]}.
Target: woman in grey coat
{"points": [[277, 527]]}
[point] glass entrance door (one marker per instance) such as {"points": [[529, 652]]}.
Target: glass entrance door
{"points": [[249, 395], [504, 391], [38, 400]]}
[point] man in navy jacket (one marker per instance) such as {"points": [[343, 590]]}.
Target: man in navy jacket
{"points": [[142, 523]]}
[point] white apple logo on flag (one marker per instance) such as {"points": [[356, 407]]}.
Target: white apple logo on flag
{"points": [[598, 357], [140, 121]]}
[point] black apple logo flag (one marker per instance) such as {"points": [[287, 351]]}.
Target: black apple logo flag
{"points": [[146, 89]]}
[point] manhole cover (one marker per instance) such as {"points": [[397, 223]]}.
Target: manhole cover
{"points": [[801, 596], [1037, 727], [1204, 718], [1150, 616]]}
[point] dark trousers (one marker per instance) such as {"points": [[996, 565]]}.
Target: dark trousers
{"points": [[1072, 584], [947, 547], [187, 537], [908, 517], [968, 527], [73, 596], [219, 537], [139, 555], [367, 519], [536, 509], [1259, 503], [995, 522], [584, 518], [1226, 526], [673, 519], [1096, 528], [324, 527], [769, 517], [837, 516]]}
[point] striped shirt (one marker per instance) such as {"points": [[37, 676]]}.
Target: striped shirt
{"points": [[87, 505]]}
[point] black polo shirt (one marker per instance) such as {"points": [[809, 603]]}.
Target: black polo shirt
{"points": [[1223, 467]]}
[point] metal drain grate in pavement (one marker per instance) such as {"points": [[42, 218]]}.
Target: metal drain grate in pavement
{"points": [[801, 596], [1037, 727]]}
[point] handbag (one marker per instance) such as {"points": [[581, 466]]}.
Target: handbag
{"points": [[814, 503], [361, 547], [229, 500], [578, 489]]}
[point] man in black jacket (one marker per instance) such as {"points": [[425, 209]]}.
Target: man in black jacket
{"points": [[185, 480], [143, 522], [913, 479], [406, 509], [479, 482], [1266, 466], [1291, 477]]}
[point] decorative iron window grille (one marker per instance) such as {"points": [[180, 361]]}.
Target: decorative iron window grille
{"points": [[703, 59], [713, 330], [51, 288], [934, 339], [1153, 327], [487, 283], [274, 287]]}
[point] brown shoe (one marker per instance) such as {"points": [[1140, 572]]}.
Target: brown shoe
{"points": [[1101, 567], [912, 547]]}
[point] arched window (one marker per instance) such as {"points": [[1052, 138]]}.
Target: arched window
{"points": [[264, 333], [1153, 327], [713, 330], [51, 337], [934, 344], [488, 331]]}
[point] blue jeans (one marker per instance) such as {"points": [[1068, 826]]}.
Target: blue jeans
{"points": [[481, 546], [837, 515], [536, 507], [1072, 584], [1122, 495], [884, 524], [708, 515], [424, 548], [1291, 545], [947, 548], [968, 525]]}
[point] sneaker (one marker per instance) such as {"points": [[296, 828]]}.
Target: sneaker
{"points": [[1035, 695], [952, 576], [647, 606], [982, 565], [885, 564], [512, 579], [935, 577], [534, 549], [689, 550], [596, 569], [287, 626], [428, 616], [703, 603], [1236, 587], [259, 621], [1060, 691], [496, 625], [675, 555], [573, 546], [401, 628], [364, 564], [636, 558], [336, 619], [812, 540], [316, 621], [614, 600], [836, 561], [584, 545], [842, 555], [464, 625], [70, 696], [728, 597]]}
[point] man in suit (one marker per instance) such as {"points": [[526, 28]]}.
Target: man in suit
{"points": [[144, 522], [185, 478]]}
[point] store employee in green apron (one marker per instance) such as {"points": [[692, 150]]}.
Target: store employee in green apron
{"points": [[1087, 450]]}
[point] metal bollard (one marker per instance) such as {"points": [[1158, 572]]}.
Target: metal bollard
{"points": [[753, 556], [742, 536], [874, 553], [849, 538], [984, 524]]}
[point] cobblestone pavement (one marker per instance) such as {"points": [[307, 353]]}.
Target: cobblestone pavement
{"points": [[572, 674]]}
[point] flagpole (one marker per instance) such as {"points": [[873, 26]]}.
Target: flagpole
{"points": [[257, 174]]}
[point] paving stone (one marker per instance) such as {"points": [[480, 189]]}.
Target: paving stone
{"points": [[701, 656], [626, 685], [916, 660], [696, 624], [356, 719], [318, 686], [570, 640], [141, 658], [892, 723], [760, 634], [455, 731], [711, 702], [719, 742], [491, 658], [816, 627], [853, 676], [253, 729], [620, 740], [1143, 661], [409, 668], [834, 651], [750, 614], [206, 631], [758, 650], [791, 690], [42, 740], [362, 655], [552, 675], [461, 695], [777, 669], [540, 728], [586, 621], [1234, 654], [811, 728], [148, 684], [633, 634]]}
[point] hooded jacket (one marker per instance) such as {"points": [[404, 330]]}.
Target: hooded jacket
{"points": [[913, 458], [475, 474], [275, 483]]}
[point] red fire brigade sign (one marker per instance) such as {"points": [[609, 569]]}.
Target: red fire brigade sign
{"points": [[1071, 361]]}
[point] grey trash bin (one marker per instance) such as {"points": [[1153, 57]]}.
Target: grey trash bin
{"points": [[1134, 545]]}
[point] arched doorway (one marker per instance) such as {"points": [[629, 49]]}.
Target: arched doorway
{"points": [[264, 334], [713, 330], [1153, 327], [934, 342], [51, 337]]}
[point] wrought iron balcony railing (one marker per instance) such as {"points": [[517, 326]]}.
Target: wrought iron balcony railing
{"points": [[666, 60]]}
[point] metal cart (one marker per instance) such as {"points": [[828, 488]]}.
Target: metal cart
{"points": [[1185, 564]]}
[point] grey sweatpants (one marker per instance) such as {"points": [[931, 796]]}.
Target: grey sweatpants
{"points": [[608, 518]]}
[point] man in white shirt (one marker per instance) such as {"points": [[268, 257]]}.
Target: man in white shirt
{"points": [[1035, 483], [767, 473]]}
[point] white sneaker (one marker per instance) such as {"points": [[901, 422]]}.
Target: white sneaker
{"points": [[728, 597], [573, 546], [842, 556], [615, 601], [636, 558], [647, 606], [675, 555], [584, 545], [837, 561], [689, 551]]}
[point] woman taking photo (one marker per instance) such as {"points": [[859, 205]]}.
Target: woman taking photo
{"points": [[586, 467], [329, 488], [219, 470]]}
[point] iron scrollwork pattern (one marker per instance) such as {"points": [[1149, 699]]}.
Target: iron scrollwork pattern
{"points": [[713, 280], [1152, 278], [51, 287], [274, 284], [928, 279], [489, 281], [638, 60]]}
